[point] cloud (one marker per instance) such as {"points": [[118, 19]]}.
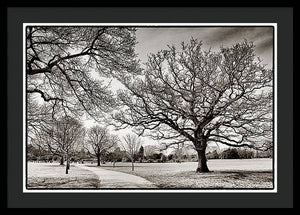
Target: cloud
{"points": [[152, 40], [231, 34], [265, 44]]}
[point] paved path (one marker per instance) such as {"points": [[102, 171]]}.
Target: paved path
{"points": [[114, 179]]}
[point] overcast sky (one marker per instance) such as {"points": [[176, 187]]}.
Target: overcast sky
{"points": [[152, 40]]}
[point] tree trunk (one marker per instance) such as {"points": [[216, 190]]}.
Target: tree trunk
{"points": [[132, 165], [202, 162], [67, 166], [62, 160], [98, 160]]}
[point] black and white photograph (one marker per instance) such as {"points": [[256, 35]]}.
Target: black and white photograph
{"points": [[160, 107]]}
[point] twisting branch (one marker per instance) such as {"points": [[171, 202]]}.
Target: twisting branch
{"points": [[61, 63]]}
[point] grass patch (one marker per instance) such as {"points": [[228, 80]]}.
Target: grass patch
{"points": [[44, 175], [243, 175]]}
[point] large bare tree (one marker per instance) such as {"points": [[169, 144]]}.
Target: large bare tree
{"points": [[200, 96], [63, 64], [99, 141]]}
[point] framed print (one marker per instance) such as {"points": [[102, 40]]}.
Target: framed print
{"points": [[150, 112]]}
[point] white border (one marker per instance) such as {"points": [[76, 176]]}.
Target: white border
{"points": [[154, 25]]}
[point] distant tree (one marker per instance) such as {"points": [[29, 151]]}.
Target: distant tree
{"points": [[99, 141], [170, 157], [43, 141], [62, 137], [212, 155], [117, 155], [131, 145], [200, 96], [178, 153], [245, 154], [230, 153], [35, 151], [82, 154], [163, 158], [155, 156], [140, 154], [149, 150]]}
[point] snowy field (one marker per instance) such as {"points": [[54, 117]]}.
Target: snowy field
{"points": [[225, 173]]}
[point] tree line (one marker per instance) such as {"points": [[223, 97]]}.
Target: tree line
{"points": [[66, 140]]}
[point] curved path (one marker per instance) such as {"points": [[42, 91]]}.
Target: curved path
{"points": [[114, 179]]}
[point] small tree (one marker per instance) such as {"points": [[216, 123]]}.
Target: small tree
{"points": [[170, 157], [212, 155], [140, 155], [231, 153], [132, 144], [117, 156], [163, 158], [62, 138], [245, 154], [36, 149], [179, 153], [99, 141], [149, 150], [82, 154]]}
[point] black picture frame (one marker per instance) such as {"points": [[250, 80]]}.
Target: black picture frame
{"points": [[17, 16]]}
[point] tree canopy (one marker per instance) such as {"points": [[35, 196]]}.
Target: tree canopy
{"points": [[63, 64]]}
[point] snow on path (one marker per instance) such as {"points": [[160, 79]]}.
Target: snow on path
{"points": [[114, 179]]}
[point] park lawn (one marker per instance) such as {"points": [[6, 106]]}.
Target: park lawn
{"points": [[250, 173], [52, 175]]}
